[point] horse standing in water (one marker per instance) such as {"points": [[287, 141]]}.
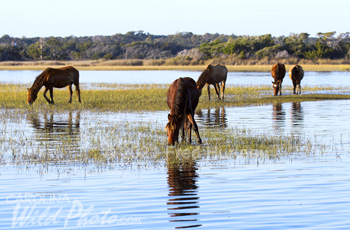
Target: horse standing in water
{"points": [[278, 72], [296, 74], [214, 75], [182, 99], [57, 78]]}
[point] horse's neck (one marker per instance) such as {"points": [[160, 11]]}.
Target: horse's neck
{"points": [[37, 86], [202, 80]]}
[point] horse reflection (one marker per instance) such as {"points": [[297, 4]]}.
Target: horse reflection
{"points": [[278, 115], [297, 114], [216, 117], [183, 198], [57, 131]]}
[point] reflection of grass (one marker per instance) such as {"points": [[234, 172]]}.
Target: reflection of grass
{"points": [[116, 97]]}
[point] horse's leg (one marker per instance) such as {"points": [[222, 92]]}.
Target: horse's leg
{"points": [[45, 91], [194, 126], [189, 128], [51, 95], [183, 132], [293, 88], [280, 89], [223, 84], [78, 91], [208, 86], [216, 86], [70, 93]]}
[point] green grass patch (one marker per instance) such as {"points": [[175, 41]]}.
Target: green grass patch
{"points": [[116, 97]]}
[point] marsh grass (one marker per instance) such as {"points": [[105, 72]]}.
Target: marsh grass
{"points": [[119, 97], [143, 144]]}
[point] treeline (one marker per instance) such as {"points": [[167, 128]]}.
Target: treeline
{"points": [[181, 46]]}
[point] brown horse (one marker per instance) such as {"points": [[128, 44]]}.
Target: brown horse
{"points": [[57, 78], [278, 72], [214, 75], [296, 74], [182, 99]]}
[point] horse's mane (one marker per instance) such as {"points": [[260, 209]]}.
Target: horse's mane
{"points": [[203, 78], [39, 80]]}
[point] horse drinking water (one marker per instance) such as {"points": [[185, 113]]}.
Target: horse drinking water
{"points": [[54, 78], [182, 99], [278, 72]]}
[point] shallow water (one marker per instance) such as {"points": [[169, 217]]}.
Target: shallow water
{"points": [[308, 191], [334, 79]]}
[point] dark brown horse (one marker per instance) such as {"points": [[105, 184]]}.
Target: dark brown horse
{"points": [[278, 72], [296, 74], [54, 78], [214, 75], [182, 99]]}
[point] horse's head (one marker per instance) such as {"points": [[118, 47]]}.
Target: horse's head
{"points": [[276, 87], [173, 128], [31, 96]]}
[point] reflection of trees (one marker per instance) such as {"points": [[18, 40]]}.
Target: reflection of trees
{"points": [[213, 117], [297, 114], [183, 196], [56, 132]]}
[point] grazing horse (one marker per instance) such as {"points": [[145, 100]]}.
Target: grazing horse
{"points": [[296, 74], [278, 71], [214, 75], [182, 99], [57, 78]]}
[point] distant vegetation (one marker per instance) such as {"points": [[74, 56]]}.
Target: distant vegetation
{"points": [[181, 48]]}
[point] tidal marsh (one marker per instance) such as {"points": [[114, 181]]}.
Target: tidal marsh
{"points": [[106, 144]]}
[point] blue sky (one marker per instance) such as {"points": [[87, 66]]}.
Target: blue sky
{"points": [[32, 18]]}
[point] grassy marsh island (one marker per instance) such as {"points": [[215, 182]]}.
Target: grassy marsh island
{"points": [[120, 97]]}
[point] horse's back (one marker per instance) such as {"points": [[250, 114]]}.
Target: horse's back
{"points": [[187, 85], [278, 71], [62, 77], [218, 73], [296, 73]]}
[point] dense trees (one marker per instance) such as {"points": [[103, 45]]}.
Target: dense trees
{"points": [[187, 46]]}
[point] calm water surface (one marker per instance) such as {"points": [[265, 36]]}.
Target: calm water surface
{"points": [[301, 192], [167, 77]]}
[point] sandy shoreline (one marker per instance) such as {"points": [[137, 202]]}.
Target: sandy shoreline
{"points": [[98, 65]]}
